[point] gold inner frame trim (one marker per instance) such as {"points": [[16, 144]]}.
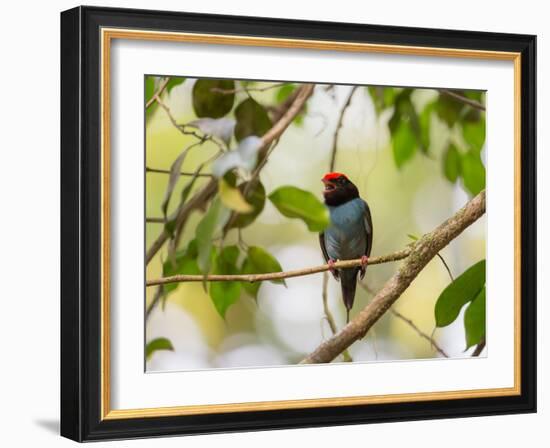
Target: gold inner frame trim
{"points": [[107, 35]]}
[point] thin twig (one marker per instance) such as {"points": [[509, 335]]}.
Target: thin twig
{"points": [[157, 93], [182, 173], [420, 333], [339, 127], [409, 322], [154, 220], [421, 254], [182, 127], [446, 266], [463, 99], [251, 278], [154, 302], [247, 89], [175, 239]]}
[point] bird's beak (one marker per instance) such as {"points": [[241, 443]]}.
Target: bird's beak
{"points": [[329, 186]]}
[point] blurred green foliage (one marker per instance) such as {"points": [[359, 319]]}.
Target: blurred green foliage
{"points": [[410, 130], [235, 127]]}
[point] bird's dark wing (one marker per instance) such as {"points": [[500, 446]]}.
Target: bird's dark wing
{"points": [[367, 222], [325, 253], [368, 229]]}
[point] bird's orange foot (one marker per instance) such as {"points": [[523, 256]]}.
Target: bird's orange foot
{"points": [[331, 267], [364, 263]]}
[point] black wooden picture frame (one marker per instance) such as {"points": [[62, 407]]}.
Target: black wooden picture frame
{"points": [[81, 209]]}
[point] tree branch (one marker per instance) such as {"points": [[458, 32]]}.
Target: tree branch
{"points": [[479, 348], [339, 126], [463, 99], [421, 253], [396, 256]]}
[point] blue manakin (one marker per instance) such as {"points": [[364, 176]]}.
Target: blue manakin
{"points": [[349, 235]]}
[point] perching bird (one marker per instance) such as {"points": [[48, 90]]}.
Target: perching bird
{"points": [[349, 235]]}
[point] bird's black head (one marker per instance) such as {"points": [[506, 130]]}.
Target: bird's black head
{"points": [[338, 189]]}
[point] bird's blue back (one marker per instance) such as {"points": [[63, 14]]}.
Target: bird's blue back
{"points": [[346, 237]]}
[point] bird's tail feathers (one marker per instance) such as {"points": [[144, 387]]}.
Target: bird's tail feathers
{"points": [[348, 281]]}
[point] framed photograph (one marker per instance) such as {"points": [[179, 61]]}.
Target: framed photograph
{"points": [[276, 224]]}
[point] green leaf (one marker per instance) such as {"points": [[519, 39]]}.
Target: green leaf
{"points": [[299, 119], [174, 82], [452, 164], [294, 202], [376, 93], [449, 108], [382, 97], [252, 119], [388, 96], [404, 144], [185, 262], [256, 198], [476, 95], [470, 115], [284, 92], [214, 219], [474, 134], [209, 100], [225, 294], [259, 261], [459, 292], [402, 110], [157, 344], [474, 320], [232, 198], [175, 170], [473, 172]]}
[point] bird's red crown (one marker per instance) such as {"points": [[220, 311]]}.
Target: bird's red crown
{"points": [[333, 176]]}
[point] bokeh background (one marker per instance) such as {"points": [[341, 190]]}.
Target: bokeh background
{"points": [[409, 193]]}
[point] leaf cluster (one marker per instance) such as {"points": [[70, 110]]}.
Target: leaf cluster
{"points": [[411, 128]]}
